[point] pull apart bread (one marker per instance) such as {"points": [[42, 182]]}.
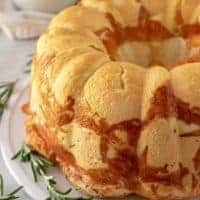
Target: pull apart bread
{"points": [[115, 97]]}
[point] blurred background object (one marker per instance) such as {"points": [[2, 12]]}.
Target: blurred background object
{"points": [[27, 19], [52, 6]]}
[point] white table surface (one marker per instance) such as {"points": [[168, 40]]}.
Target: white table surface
{"points": [[13, 57]]}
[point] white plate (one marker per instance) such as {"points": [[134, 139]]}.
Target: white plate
{"points": [[12, 137]]}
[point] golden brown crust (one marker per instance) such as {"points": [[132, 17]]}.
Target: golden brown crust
{"points": [[115, 97]]}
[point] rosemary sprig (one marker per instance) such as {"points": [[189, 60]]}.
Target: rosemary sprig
{"points": [[39, 166], [11, 195], [28, 64], [6, 90]]}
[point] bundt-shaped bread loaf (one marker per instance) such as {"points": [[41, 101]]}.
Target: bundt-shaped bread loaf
{"points": [[115, 97]]}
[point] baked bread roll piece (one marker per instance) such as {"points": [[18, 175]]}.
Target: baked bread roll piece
{"points": [[115, 97]]}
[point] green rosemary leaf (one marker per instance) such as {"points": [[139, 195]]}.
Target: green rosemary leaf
{"points": [[27, 71], [47, 162], [15, 191], [8, 198], [1, 110], [6, 90], [11, 195], [28, 64], [17, 155], [65, 193], [4, 93], [34, 172], [4, 85], [1, 185]]}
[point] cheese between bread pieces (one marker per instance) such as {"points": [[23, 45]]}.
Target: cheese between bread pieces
{"points": [[115, 97]]}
